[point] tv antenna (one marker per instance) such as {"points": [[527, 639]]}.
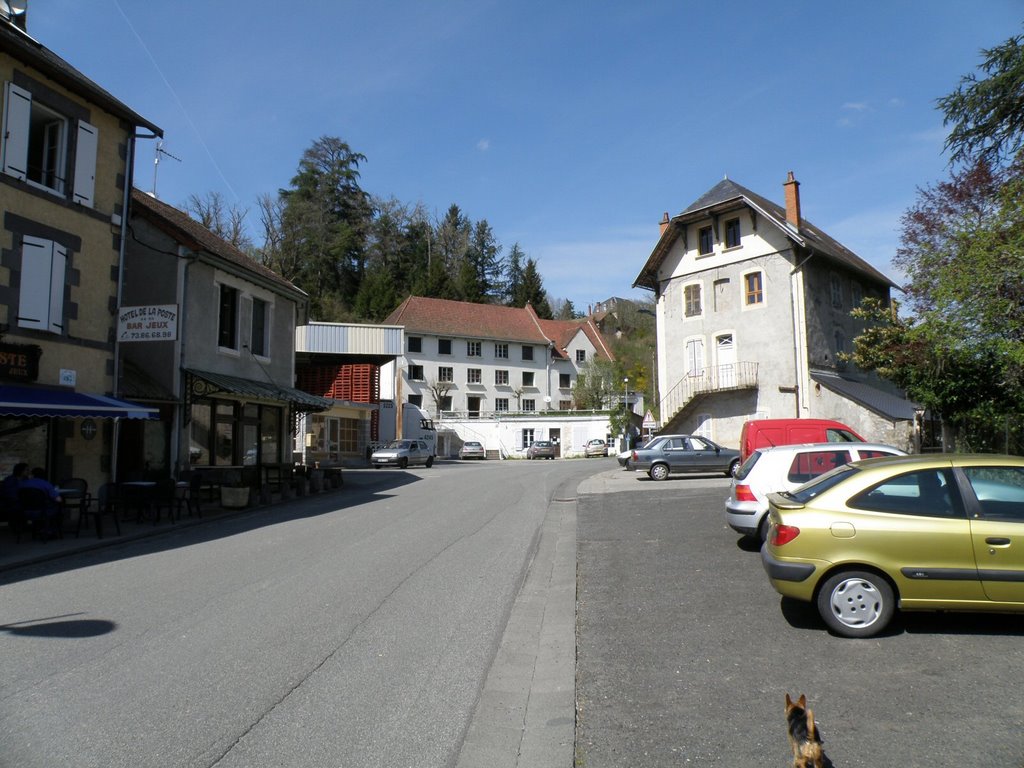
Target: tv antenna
{"points": [[156, 161]]}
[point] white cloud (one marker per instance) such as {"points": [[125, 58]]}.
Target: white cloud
{"points": [[483, 145]]}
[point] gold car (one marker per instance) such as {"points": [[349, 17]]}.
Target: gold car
{"points": [[942, 532]]}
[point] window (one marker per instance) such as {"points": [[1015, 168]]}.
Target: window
{"points": [[1000, 492], [527, 378], [444, 346], [258, 340], [415, 343], [691, 300], [564, 381], [732, 233], [565, 405], [416, 400], [529, 404], [446, 402], [501, 404], [501, 351], [41, 300], [705, 241], [415, 373], [581, 355], [527, 438], [753, 289], [527, 352], [227, 329], [473, 376], [926, 493], [501, 378], [836, 287], [445, 373], [856, 294], [36, 145], [473, 349]]}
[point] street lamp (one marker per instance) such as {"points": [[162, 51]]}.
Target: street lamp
{"points": [[625, 411]]}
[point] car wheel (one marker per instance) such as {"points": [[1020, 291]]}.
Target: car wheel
{"points": [[856, 603], [403, 463], [430, 461], [732, 468], [658, 472], [376, 466]]}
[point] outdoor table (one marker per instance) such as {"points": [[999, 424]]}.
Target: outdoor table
{"points": [[139, 494]]}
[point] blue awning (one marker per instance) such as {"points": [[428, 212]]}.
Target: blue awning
{"points": [[64, 403]]}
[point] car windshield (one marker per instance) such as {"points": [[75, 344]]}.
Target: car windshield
{"points": [[399, 444], [820, 484]]}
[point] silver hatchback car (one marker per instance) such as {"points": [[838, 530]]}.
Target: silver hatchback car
{"points": [[785, 468], [402, 453]]}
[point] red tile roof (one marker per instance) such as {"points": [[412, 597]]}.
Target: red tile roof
{"points": [[442, 317]]}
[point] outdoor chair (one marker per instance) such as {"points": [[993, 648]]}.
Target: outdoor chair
{"points": [[108, 502], [75, 495]]}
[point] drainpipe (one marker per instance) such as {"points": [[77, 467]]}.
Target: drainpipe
{"points": [[129, 181]]}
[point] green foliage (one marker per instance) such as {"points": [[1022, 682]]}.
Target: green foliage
{"points": [[987, 113]]}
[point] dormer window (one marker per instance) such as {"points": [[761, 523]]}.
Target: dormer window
{"points": [[705, 241]]}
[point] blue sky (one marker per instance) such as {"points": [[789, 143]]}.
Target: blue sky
{"points": [[570, 126]]}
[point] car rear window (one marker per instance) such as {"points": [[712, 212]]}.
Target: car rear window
{"points": [[808, 465], [744, 470], [822, 483]]}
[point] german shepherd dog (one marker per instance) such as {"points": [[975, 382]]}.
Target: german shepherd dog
{"points": [[804, 737]]}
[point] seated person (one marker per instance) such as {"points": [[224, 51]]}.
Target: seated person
{"points": [[11, 483], [37, 479]]}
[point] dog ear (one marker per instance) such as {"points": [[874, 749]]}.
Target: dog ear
{"points": [[802, 701], [789, 701]]}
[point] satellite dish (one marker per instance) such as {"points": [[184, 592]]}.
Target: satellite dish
{"points": [[547, 398], [14, 12]]}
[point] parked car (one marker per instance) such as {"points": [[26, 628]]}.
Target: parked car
{"points": [[541, 449], [784, 468], [595, 447], [666, 454], [763, 433], [402, 453], [472, 449], [937, 532]]}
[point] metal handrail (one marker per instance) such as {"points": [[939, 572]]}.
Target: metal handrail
{"points": [[742, 375]]}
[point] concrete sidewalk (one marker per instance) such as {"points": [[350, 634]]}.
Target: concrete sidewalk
{"points": [[15, 554]]}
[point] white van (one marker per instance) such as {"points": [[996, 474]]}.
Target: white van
{"points": [[783, 468]]}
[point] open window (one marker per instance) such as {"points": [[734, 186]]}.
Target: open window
{"points": [[40, 144]]}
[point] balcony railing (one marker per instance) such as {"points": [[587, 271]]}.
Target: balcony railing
{"points": [[720, 378]]}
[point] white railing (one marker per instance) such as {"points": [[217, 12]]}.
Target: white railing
{"points": [[716, 379]]}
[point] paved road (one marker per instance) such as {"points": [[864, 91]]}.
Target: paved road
{"points": [[355, 629], [684, 655]]}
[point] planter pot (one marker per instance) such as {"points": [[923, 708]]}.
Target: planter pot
{"points": [[234, 498]]}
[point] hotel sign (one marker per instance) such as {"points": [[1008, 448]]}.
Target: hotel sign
{"points": [[19, 362], [148, 323]]}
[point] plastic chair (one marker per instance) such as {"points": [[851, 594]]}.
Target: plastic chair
{"points": [[107, 503], [75, 495]]}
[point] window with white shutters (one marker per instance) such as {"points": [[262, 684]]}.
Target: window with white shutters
{"points": [[41, 300]]}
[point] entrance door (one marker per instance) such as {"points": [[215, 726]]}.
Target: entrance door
{"points": [[555, 436], [473, 406], [725, 352]]}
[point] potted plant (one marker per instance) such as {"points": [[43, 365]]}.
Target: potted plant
{"points": [[234, 494]]}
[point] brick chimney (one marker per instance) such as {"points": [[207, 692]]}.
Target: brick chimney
{"points": [[664, 223], [792, 187]]}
